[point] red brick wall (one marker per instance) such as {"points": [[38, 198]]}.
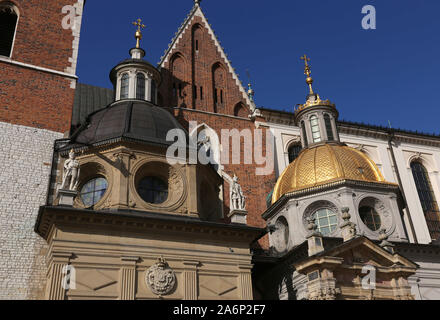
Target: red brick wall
{"points": [[40, 39], [187, 67], [199, 68], [30, 97], [35, 99]]}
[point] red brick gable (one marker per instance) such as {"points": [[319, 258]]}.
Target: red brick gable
{"points": [[197, 74]]}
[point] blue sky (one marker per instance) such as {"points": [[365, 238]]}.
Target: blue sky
{"points": [[391, 73]]}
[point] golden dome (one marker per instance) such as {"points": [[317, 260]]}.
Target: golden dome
{"points": [[323, 164]]}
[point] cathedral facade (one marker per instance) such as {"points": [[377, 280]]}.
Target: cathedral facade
{"points": [[96, 206]]}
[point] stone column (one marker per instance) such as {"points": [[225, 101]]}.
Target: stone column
{"points": [[148, 92], [245, 282], [128, 278], [55, 289], [190, 285]]}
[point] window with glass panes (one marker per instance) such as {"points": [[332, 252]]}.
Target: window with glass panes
{"points": [[124, 86], [293, 152], [370, 218], [326, 220], [93, 191], [140, 86], [153, 190], [328, 127], [427, 198], [316, 133]]}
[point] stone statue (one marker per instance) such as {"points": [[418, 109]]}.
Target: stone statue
{"points": [[237, 196], [71, 173]]}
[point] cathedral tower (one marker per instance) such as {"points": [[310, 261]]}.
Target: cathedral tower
{"points": [[39, 43], [330, 204]]}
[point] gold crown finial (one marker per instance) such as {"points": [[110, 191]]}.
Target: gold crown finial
{"points": [[308, 72], [138, 34]]}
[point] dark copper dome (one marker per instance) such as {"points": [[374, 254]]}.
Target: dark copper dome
{"points": [[129, 119]]}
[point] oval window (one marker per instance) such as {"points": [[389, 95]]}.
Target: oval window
{"points": [[93, 191], [326, 220], [153, 190], [370, 218]]}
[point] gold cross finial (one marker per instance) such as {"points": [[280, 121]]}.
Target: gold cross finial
{"points": [[306, 60], [308, 72], [138, 35]]}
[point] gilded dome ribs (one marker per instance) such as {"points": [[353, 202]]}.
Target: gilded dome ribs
{"points": [[320, 165]]}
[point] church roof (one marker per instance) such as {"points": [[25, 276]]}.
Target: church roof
{"points": [[133, 120], [325, 164], [89, 99]]}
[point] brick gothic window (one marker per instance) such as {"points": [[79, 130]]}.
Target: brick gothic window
{"points": [[8, 24], [140, 86], [124, 86], [427, 198], [293, 152], [218, 86]]}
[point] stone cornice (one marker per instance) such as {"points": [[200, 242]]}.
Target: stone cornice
{"points": [[143, 221], [357, 129], [384, 186]]}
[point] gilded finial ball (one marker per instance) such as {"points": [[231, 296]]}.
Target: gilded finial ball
{"points": [[309, 80]]}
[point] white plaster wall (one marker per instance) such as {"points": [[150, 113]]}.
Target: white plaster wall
{"points": [[25, 163]]}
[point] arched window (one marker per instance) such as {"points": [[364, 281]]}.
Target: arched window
{"points": [[293, 152], [427, 198], [328, 127], [140, 86], [304, 133], [124, 86], [316, 133], [8, 25]]}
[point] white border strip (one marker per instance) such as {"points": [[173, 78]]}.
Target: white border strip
{"points": [[31, 66]]}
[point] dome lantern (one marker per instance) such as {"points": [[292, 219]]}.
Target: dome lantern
{"points": [[135, 78], [316, 118]]}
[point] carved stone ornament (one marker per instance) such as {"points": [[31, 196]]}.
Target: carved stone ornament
{"points": [[160, 278]]}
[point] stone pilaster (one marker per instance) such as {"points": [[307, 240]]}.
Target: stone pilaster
{"points": [[55, 288], [127, 282], [123, 159], [190, 284], [245, 282]]}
